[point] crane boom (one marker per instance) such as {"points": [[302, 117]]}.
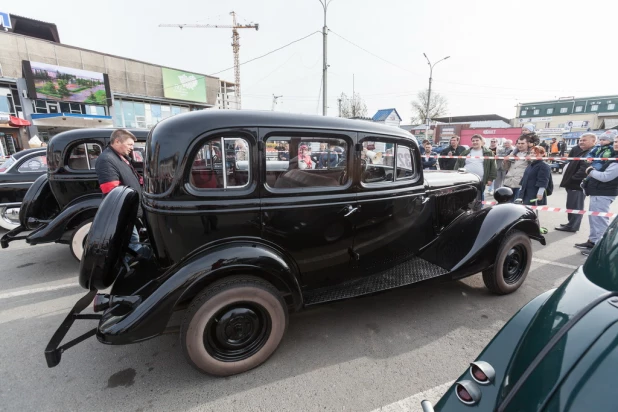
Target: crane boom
{"points": [[235, 43]]}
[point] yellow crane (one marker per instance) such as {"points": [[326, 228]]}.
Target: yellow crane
{"points": [[235, 43]]}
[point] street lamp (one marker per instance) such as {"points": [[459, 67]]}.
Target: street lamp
{"points": [[431, 66], [325, 4]]}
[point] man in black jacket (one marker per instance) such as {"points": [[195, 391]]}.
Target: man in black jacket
{"points": [[573, 175], [454, 149]]}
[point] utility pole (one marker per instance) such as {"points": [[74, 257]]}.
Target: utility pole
{"points": [[325, 4], [275, 101], [339, 102], [427, 119]]}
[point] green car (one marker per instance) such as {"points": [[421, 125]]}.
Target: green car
{"points": [[558, 353]]}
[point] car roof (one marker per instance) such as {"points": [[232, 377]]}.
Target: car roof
{"points": [[25, 152]]}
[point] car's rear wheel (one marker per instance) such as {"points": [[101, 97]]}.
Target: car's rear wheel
{"points": [[233, 326], [78, 239], [512, 264], [9, 217]]}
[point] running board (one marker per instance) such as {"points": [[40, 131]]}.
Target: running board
{"points": [[411, 271]]}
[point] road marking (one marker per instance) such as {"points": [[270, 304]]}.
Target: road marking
{"points": [[413, 403], [8, 295], [550, 262]]}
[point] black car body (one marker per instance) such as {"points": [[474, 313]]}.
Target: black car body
{"points": [[60, 205], [17, 174], [240, 238]]}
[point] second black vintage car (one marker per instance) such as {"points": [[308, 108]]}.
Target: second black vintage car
{"points": [[251, 216], [17, 174], [60, 205]]}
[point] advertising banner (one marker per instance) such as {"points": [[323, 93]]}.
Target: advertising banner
{"points": [[66, 84], [183, 86]]}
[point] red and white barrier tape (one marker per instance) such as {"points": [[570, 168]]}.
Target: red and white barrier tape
{"points": [[521, 158], [562, 210]]}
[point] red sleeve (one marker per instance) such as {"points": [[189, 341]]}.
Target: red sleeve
{"points": [[107, 187]]}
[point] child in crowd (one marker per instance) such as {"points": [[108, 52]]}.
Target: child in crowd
{"points": [[603, 149]]}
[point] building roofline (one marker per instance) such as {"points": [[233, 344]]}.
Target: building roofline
{"points": [[107, 54], [571, 100]]}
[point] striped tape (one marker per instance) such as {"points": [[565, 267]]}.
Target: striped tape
{"points": [[562, 210], [521, 158]]}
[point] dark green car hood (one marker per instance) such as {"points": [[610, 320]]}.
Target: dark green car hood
{"points": [[540, 347]]}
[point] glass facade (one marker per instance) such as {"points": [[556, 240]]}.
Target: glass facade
{"points": [[144, 114], [6, 101], [50, 106]]}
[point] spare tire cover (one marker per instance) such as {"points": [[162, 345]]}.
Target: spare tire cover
{"points": [[34, 201], [108, 239]]}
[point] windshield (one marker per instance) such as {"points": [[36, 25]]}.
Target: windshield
{"points": [[9, 162]]}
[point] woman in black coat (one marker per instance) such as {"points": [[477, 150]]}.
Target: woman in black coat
{"points": [[536, 180]]}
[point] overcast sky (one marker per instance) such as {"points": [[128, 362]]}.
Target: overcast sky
{"points": [[500, 52]]}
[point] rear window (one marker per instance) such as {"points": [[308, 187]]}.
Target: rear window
{"points": [[84, 156], [8, 163], [221, 163], [34, 164]]}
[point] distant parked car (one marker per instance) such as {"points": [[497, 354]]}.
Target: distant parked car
{"points": [[60, 204], [17, 173]]}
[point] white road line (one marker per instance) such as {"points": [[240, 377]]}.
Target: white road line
{"points": [[550, 262], [413, 403], [8, 295]]}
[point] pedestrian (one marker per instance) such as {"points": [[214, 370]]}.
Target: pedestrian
{"points": [[505, 150], [562, 146], [516, 165], [572, 176], [604, 148], [554, 148], [114, 169], [428, 158], [493, 146], [544, 145], [602, 189], [536, 181], [453, 149], [485, 169]]}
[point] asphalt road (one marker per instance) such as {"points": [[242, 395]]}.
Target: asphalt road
{"points": [[382, 352]]}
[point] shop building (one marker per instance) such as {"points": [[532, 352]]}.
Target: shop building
{"points": [[53, 87]]}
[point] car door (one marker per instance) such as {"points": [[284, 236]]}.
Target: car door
{"points": [[308, 200], [393, 220]]}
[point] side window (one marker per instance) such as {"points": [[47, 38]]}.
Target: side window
{"points": [[221, 163], [139, 148], [34, 164], [383, 162], [307, 161], [84, 156]]}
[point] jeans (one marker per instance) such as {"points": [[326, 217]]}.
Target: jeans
{"points": [[598, 224], [134, 241], [575, 200], [500, 174]]}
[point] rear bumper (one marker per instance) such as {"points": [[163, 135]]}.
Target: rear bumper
{"points": [[12, 235]]}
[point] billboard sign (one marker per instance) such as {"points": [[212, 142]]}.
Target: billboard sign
{"points": [[5, 20], [183, 86], [66, 84]]}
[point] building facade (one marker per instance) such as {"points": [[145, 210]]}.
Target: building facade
{"points": [[570, 114], [55, 87]]}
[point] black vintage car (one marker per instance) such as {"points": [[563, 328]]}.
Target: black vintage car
{"points": [[60, 205], [17, 174], [239, 241]]}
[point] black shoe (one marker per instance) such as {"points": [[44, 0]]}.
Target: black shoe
{"points": [[565, 228], [562, 224], [586, 252], [586, 245]]}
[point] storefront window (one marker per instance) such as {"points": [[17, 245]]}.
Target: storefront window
{"points": [[155, 110], [165, 111], [6, 101], [95, 110], [118, 114], [128, 111], [175, 110], [140, 115], [184, 109]]}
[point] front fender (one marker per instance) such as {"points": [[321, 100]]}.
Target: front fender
{"points": [[498, 354], [471, 241], [75, 212], [182, 282]]}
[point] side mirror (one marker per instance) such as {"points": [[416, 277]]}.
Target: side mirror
{"points": [[503, 195]]}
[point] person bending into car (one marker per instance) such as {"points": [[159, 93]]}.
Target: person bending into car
{"points": [[114, 169]]}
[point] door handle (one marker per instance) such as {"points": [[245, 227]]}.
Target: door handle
{"points": [[349, 209]]}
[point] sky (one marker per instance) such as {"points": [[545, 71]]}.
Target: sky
{"points": [[501, 53]]}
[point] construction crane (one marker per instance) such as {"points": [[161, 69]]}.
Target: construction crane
{"points": [[235, 43]]}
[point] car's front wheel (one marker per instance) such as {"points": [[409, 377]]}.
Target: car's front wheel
{"points": [[512, 264], [9, 217], [233, 326], [78, 239]]}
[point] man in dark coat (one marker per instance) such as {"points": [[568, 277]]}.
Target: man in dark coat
{"points": [[454, 149], [572, 177]]}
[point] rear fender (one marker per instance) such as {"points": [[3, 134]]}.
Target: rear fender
{"points": [[184, 281], [473, 239], [39, 202], [74, 213]]}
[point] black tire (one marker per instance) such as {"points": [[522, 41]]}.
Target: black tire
{"points": [[233, 326], [512, 264], [78, 239], [108, 238]]}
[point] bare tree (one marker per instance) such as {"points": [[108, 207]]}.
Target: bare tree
{"points": [[352, 107], [437, 107]]}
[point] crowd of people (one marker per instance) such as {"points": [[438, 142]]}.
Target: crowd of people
{"points": [[531, 180]]}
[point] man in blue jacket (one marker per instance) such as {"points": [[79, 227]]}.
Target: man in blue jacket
{"points": [[429, 157]]}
